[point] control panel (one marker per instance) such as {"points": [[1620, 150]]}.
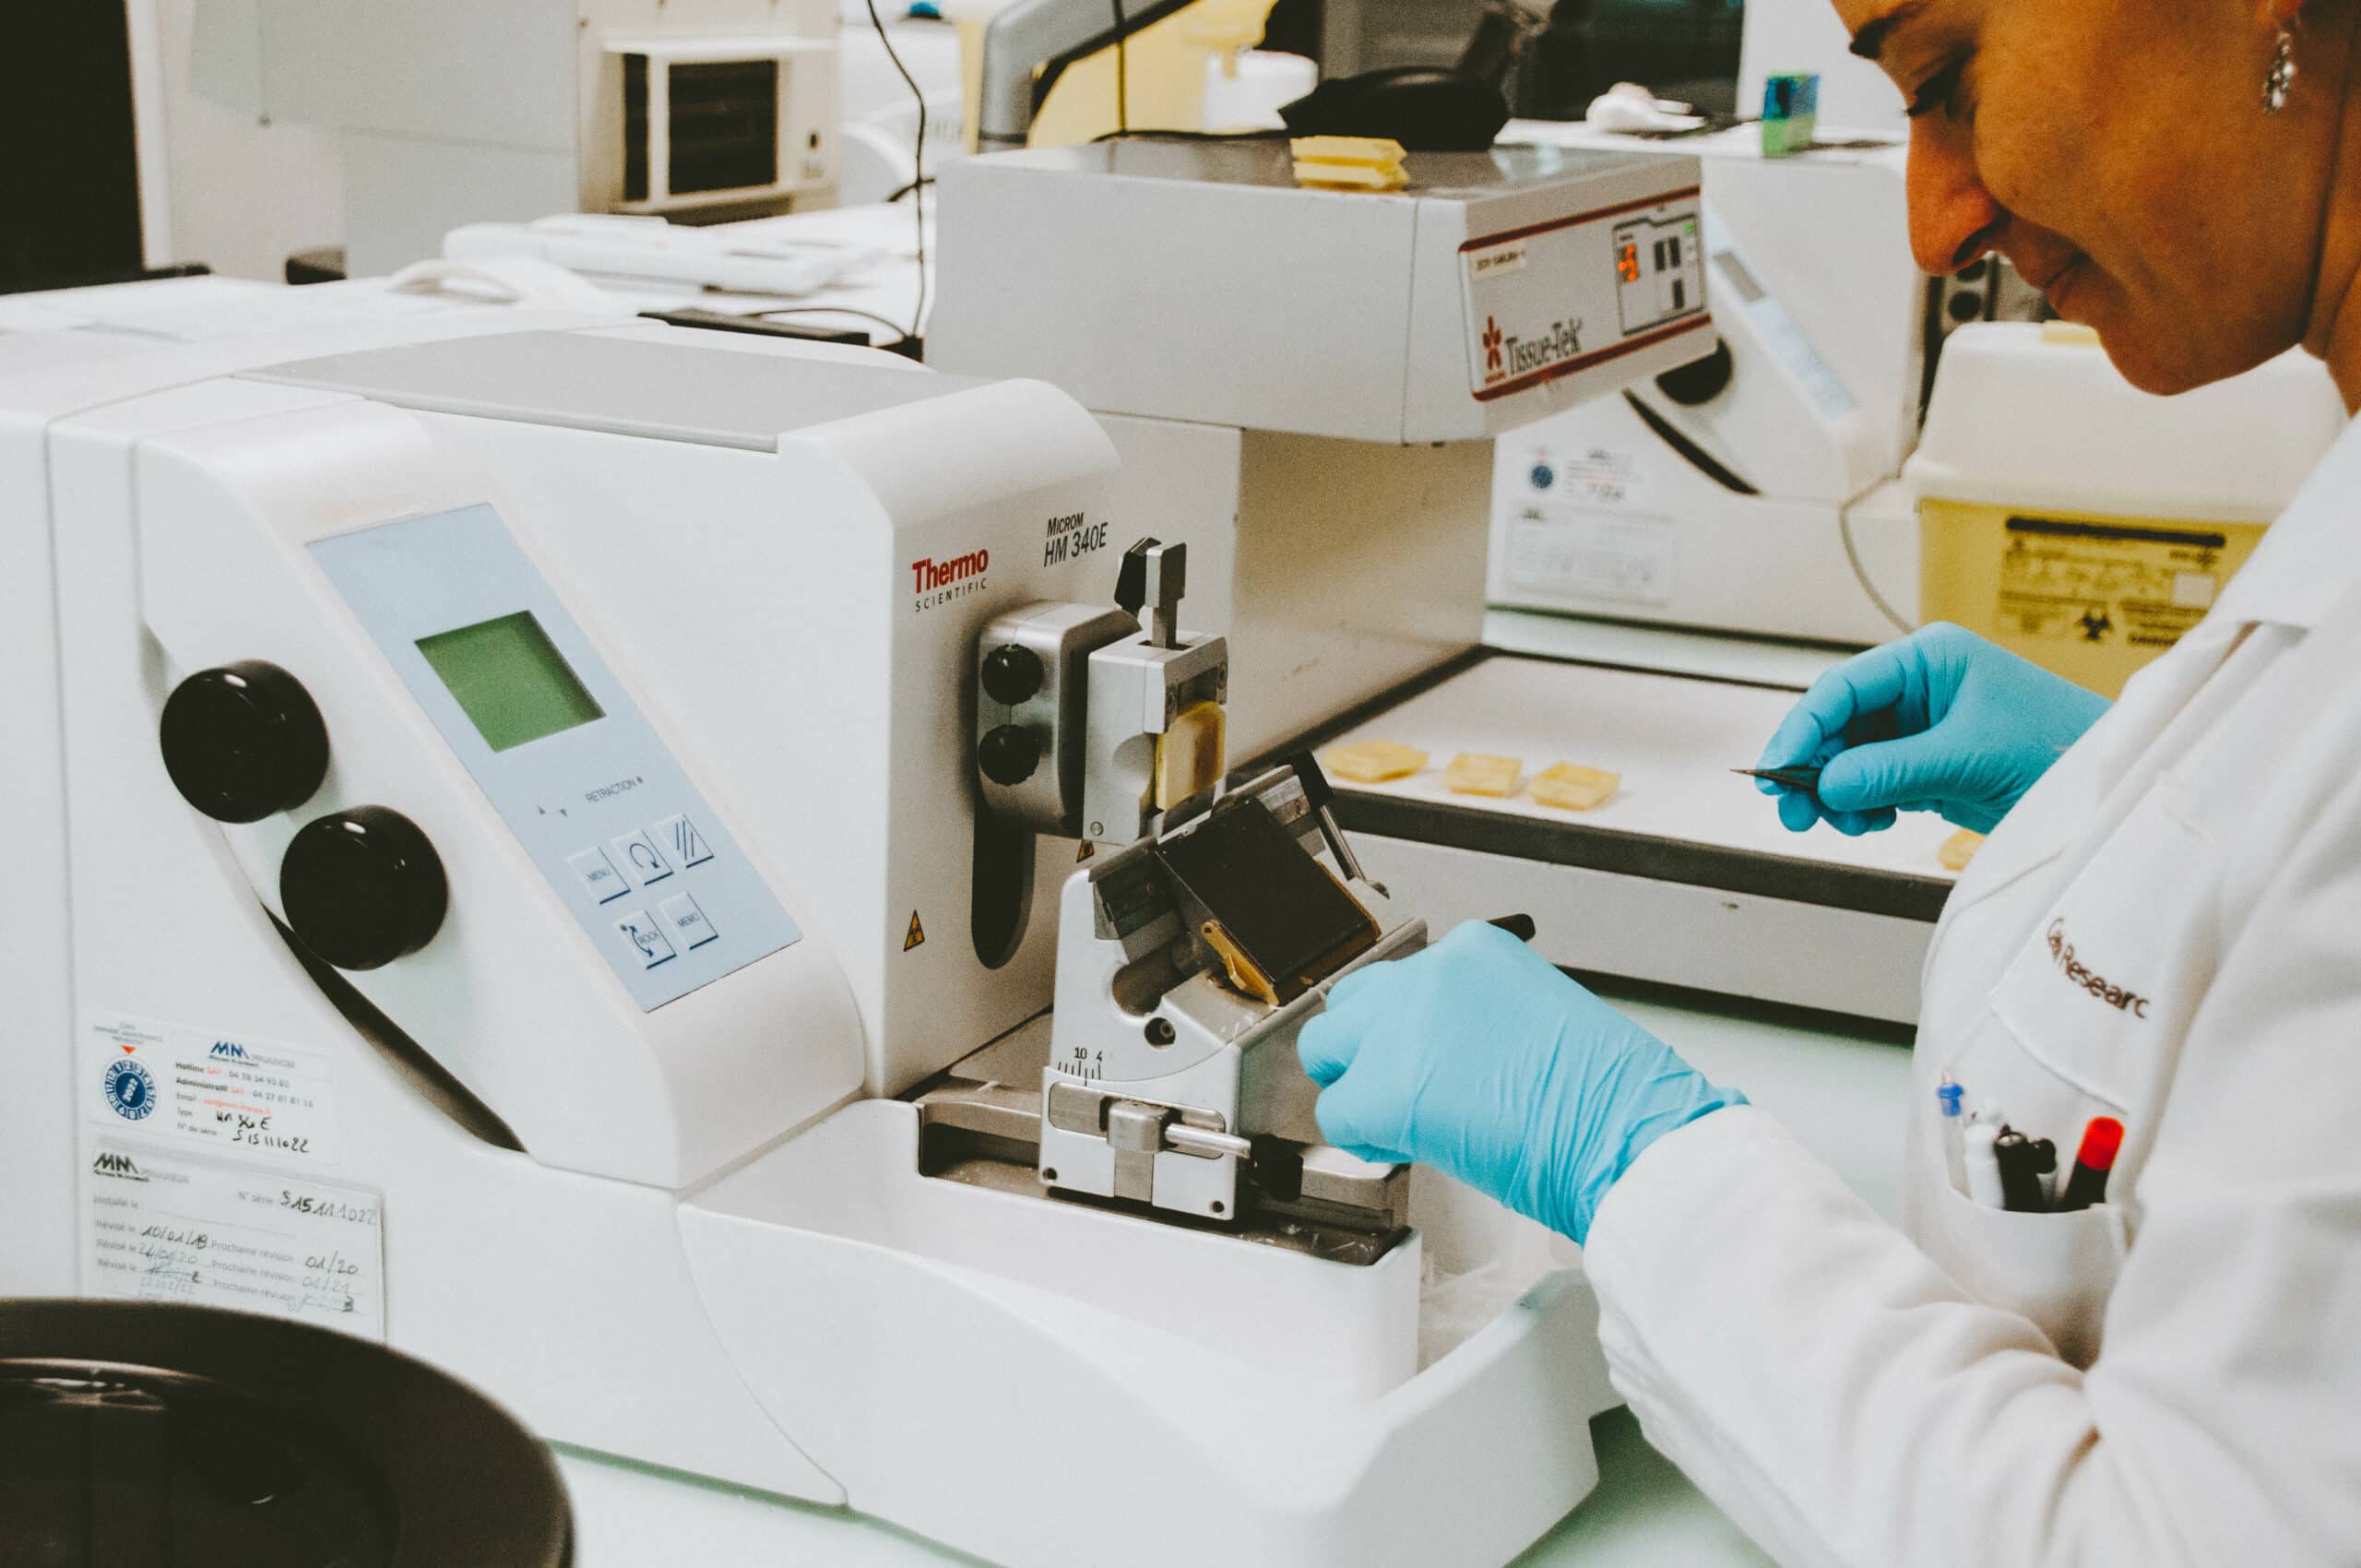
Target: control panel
{"points": [[559, 749], [1659, 270]]}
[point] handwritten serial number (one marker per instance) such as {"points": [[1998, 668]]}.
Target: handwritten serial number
{"points": [[328, 1207]]}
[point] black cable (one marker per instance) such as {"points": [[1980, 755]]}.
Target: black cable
{"points": [[1122, 73], [1279, 135], [836, 310], [918, 191]]}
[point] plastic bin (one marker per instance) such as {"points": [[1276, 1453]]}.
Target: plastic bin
{"points": [[2085, 524]]}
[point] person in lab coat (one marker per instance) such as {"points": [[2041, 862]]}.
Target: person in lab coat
{"points": [[2163, 927]]}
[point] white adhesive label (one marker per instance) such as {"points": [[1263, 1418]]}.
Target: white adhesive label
{"points": [[160, 1226], [1494, 261], [231, 1095], [1560, 550], [1601, 476]]}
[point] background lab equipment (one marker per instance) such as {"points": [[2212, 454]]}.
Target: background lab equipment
{"points": [[748, 908], [1778, 460], [450, 111], [1328, 368], [1788, 457]]}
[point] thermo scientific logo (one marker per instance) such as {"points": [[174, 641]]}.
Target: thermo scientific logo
{"points": [[2061, 952], [934, 583]]}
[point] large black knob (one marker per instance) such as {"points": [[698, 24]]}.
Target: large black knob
{"points": [[1698, 381], [243, 740], [1012, 675], [363, 887], [1008, 755]]}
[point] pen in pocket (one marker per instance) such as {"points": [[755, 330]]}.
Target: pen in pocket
{"points": [[1983, 1165], [2023, 1163], [2093, 1164], [1950, 1105]]}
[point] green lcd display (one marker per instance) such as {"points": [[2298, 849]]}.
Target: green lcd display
{"points": [[510, 679]]}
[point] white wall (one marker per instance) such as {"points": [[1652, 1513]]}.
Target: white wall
{"points": [[241, 193]]}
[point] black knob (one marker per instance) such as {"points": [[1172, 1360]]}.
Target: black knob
{"points": [[363, 887], [1012, 675], [243, 740], [1008, 755], [1699, 381]]}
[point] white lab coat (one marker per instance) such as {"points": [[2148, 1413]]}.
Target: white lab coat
{"points": [[2173, 1377]]}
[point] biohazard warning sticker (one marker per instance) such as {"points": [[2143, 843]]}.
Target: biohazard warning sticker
{"points": [[915, 936], [2107, 584]]}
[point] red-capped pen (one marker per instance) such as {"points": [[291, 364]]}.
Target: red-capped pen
{"points": [[2092, 1162]]}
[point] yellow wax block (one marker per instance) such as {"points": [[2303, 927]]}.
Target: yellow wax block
{"points": [[1346, 150], [1573, 789], [1357, 163], [1374, 762], [1349, 177], [1960, 848], [1190, 754], [1475, 773]]}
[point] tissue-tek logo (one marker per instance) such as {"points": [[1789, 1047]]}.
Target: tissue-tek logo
{"points": [[229, 1050], [117, 1164], [1562, 342], [2061, 952], [934, 583]]}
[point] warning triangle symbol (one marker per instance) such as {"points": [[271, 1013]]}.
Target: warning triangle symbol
{"points": [[1088, 850], [917, 935]]}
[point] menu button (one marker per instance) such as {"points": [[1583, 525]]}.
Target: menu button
{"points": [[598, 875]]}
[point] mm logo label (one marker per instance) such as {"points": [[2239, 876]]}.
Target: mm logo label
{"points": [[229, 1050], [117, 1164]]}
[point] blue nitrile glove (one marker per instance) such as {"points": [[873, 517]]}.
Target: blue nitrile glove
{"points": [[1940, 722], [1478, 1058]]}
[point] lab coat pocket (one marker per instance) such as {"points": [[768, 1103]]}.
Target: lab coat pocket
{"points": [[2098, 994], [2056, 1269]]}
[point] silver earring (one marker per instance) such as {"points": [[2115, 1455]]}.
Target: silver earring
{"points": [[2281, 78]]}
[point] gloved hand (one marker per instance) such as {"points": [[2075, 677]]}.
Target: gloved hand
{"points": [[1940, 721], [1480, 1059]]}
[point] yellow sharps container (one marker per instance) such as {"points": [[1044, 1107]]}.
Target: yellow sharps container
{"points": [[2082, 523]]}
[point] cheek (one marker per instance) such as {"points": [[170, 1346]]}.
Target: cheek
{"points": [[2034, 138], [2160, 346]]}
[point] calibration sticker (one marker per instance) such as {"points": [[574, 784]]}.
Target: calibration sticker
{"points": [[228, 1094], [164, 1228]]}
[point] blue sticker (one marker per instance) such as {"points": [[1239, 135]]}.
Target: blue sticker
{"points": [[130, 1092]]}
